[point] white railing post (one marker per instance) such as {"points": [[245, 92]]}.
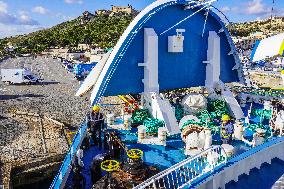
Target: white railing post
{"points": [[193, 168], [154, 184]]}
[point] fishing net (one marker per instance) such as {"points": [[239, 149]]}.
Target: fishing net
{"points": [[152, 125]]}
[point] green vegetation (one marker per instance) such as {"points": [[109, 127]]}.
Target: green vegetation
{"points": [[275, 25], [103, 31]]}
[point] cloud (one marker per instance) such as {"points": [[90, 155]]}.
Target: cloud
{"points": [[225, 9], [73, 1], [3, 7], [11, 19], [253, 7], [256, 7], [63, 17], [12, 30], [40, 10]]}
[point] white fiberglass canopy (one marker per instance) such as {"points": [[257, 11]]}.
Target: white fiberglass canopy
{"points": [[268, 47]]}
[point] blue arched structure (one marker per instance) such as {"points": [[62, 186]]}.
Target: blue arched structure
{"points": [[121, 74]]}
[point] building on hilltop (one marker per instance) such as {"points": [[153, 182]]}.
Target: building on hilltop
{"points": [[247, 43], [122, 9], [118, 10], [102, 12], [56, 52], [86, 17], [83, 46], [95, 54], [257, 35]]}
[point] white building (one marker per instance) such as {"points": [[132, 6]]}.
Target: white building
{"points": [[83, 47], [95, 55]]}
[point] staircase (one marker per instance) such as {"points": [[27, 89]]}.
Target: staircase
{"points": [[184, 173], [233, 104], [162, 109], [168, 116]]}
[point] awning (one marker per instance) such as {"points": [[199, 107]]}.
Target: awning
{"points": [[268, 47]]}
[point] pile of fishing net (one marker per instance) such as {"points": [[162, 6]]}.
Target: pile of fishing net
{"points": [[210, 118], [139, 116], [179, 112], [152, 125], [217, 108], [142, 117], [265, 114]]}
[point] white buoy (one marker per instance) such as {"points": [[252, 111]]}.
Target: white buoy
{"points": [[212, 159], [126, 120], [202, 139], [267, 105], [258, 137], [208, 138], [162, 135], [192, 143], [141, 133]]}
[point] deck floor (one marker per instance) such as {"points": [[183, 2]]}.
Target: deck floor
{"points": [[159, 156]]}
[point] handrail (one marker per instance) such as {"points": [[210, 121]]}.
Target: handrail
{"points": [[59, 180], [234, 163], [186, 171]]}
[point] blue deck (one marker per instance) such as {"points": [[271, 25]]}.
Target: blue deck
{"points": [[154, 155], [159, 156]]}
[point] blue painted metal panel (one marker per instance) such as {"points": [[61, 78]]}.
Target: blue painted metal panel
{"points": [[176, 70]]}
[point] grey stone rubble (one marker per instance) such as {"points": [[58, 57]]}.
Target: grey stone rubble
{"points": [[24, 136], [53, 97]]}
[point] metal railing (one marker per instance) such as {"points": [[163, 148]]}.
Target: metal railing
{"points": [[61, 177], [188, 170]]}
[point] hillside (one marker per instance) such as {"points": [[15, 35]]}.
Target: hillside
{"points": [[104, 31], [101, 30], [266, 26]]}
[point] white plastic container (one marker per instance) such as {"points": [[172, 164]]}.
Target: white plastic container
{"points": [[162, 135]]}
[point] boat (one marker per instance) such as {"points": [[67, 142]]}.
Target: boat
{"points": [[168, 136]]}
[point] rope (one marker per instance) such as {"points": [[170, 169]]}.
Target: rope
{"points": [[139, 116], [152, 125], [208, 118]]}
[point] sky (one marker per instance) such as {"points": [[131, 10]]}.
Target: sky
{"points": [[24, 16]]}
